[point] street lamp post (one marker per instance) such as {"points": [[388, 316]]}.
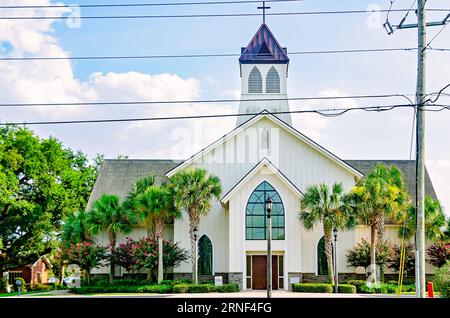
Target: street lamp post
{"points": [[336, 280], [195, 255], [268, 207]]}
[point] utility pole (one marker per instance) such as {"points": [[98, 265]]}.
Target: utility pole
{"points": [[421, 26], [420, 150]]}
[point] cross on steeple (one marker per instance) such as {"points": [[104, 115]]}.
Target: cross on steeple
{"points": [[264, 11]]}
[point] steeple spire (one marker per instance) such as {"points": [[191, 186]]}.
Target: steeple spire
{"points": [[264, 11]]}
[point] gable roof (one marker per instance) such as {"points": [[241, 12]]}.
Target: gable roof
{"points": [[407, 167], [118, 176], [264, 48], [263, 163], [266, 114]]}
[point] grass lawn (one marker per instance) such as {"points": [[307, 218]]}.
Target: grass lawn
{"points": [[25, 293]]}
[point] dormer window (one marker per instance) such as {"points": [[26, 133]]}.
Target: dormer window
{"points": [[255, 81]]}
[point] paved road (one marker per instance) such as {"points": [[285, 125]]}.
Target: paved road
{"points": [[243, 294]]}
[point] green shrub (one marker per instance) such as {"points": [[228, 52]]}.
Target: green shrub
{"points": [[228, 288], [198, 288], [180, 288], [3, 285], [175, 282], [442, 280], [367, 290], [38, 287], [100, 282], [23, 287], [409, 288], [130, 282], [358, 284], [389, 289], [346, 288], [156, 289], [312, 288]]}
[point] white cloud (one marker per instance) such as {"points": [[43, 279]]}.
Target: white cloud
{"points": [[54, 81], [314, 125]]}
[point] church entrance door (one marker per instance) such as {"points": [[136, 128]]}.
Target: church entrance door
{"points": [[259, 272]]}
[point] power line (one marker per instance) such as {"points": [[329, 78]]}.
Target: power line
{"points": [[437, 34], [210, 15], [212, 101], [387, 25], [207, 55], [340, 110], [99, 5], [322, 112]]}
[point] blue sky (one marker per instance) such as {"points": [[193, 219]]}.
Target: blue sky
{"points": [[353, 136]]}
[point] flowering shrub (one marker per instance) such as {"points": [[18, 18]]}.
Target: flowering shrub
{"points": [[394, 262], [87, 255], [135, 255], [124, 255], [438, 253], [360, 254]]}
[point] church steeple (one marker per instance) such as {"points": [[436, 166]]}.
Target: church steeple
{"points": [[264, 70]]}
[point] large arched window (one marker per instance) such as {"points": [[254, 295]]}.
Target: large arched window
{"points": [[272, 81], [256, 217], [322, 268], [205, 256], [255, 81]]}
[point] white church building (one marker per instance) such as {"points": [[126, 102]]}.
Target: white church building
{"points": [[264, 155]]}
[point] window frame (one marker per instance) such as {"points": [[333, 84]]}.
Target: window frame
{"points": [[265, 188], [276, 81], [255, 72]]}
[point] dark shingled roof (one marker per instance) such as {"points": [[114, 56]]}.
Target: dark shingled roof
{"points": [[408, 167], [117, 176]]}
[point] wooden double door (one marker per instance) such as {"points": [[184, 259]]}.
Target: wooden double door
{"points": [[259, 272]]}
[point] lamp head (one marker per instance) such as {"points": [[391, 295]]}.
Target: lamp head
{"points": [[268, 204], [195, 233]]}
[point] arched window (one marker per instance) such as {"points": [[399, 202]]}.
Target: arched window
{"points": [[255, 81], [256, 217], [322, 268], [272, 81], [205, 256]]}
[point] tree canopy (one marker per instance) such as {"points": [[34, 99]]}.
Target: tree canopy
{"points": [[41, 183]]}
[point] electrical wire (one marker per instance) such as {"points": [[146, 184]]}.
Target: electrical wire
{"points": [[394, 28], [203, 101], [170, 56], [219, 15], [322, 112], [165, 4], [437, 34]]}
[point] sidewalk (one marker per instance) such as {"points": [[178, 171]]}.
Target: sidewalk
{"points": [[242, 294]]}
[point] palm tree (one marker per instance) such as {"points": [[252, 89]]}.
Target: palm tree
{"points": [[130, 202], [156, 206], [193, 191], [319, 205], [434, 221], [382, 193], [110, 216], [75, 228]]}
